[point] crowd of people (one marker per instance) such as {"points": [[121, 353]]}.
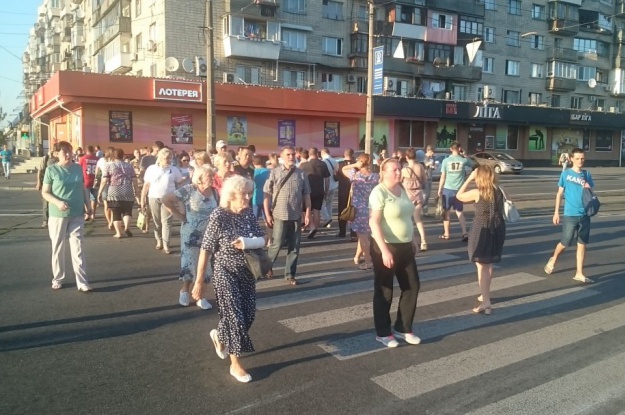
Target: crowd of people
{"points": [[222, 199]]}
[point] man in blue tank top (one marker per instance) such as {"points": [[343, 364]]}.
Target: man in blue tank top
{"points": [[575, 222]]}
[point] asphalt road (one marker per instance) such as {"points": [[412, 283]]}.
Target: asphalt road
{"points": [[551, 346]]}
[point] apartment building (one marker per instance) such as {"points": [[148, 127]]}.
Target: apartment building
{"points": [[544, 54]]}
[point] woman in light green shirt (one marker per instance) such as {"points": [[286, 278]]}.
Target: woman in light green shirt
{"points": [[393, 250]]}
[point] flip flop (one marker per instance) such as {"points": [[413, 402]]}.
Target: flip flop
{"points": [[291, 281], [549, 267], [443, 237]]}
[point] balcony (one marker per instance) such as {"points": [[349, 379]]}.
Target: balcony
{"points": [[458, 72], [409, 31], [242, 47], [77, 1], [471, 7], [562, 54], [119, 29], [563, 27], [77, 37], [119, 64], [560, 84], [100, 11]]}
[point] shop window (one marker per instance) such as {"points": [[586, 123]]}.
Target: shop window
{"points": [[410, 134], [513, 138], [604, 140]]}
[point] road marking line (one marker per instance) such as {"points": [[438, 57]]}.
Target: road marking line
{"points": [[582, 391], [362, 311], [410, 382], [363, 344]]}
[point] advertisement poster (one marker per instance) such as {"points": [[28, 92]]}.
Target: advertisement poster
{"points": [[489, 141], [286, 133], [332, 134], [237, 131], [603, 141], [445, 135], [120, 126], [565, 140], [181, 129], [536, 140]]}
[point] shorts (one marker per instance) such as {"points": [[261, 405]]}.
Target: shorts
{"points": [[93, 194], [119, 209], [449, 200], [316, 202], [575, 229]]}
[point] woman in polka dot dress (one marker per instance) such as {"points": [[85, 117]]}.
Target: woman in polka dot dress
{"points": [[232, 228]]}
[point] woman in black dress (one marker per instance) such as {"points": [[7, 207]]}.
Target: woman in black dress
{"points": [[488, 231]]}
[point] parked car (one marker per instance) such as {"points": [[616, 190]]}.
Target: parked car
{"points": [[438, 161], [500, 162]]}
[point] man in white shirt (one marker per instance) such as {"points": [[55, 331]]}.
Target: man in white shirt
{"points": [[333, 166]]}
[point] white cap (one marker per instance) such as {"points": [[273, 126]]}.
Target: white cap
{"points": [[220, 144]]}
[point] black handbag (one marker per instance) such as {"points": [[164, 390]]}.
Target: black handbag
{"points": [[258, 262]]}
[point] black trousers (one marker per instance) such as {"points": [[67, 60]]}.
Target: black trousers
{"points": [[405, 269], [343, 196]]}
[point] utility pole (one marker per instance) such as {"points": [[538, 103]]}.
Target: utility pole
{"points": [[369, 113], [211, 131]]}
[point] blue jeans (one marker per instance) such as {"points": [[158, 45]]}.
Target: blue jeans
{"points": [[6, 166], [286, 233]]}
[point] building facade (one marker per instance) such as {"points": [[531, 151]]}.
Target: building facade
{"points": [[539, 54]]}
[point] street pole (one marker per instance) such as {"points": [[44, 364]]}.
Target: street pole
{"points": [[369, 114], [211, 131]]}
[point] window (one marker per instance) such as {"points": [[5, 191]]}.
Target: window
{"points": [[137, 8], [620, 105], [332, 46], [555, 101], [559, 10], [138, 43], [295, 6], [294, 40], [490, 4], [407, 14], [488, 64], [247, 74], [538, 70], [360, 43], [438, 51], [537, 42], [460, 92], [363, 12], [513, 137], [538, 12], [331, 82], [535, 98], [294, 79], [576, 102], [361, 85], [584, 73], [489, 34], [410, 133], [600, 103], [513, 38], [415, 51], [153, 70], [471, 27], [601, 76], [442, 21], [591, 46], [332, 10], [514, 7], [512, 67], [152, 32], [54, 4], [251, 29], [511, 96], [390, 44], [563, 70]]}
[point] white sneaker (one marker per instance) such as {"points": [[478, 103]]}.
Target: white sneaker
{"points": [[184, 299], [84, 289], [410, 338], [204, 304], [56, 285], [387, 341]]}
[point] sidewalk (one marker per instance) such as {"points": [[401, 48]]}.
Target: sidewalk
{"points": [[19, 181]]}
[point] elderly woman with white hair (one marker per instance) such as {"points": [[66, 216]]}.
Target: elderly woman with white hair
{"points": [[192, 204], [232, 228], [223, 164], [159, 179]]}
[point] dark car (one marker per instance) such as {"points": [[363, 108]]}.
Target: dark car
{"points": [[500, 162]]}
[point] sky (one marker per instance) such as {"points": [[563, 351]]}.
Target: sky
{"points": [[16, 19]]}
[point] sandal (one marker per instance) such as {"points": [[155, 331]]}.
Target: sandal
{"points": [[550, 266], [465, 238], [443, 237]]}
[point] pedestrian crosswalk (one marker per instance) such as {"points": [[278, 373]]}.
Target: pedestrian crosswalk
{"points": [[333, 308]]}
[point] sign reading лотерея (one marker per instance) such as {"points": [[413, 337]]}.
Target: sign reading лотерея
{"points": [[177, 91]]}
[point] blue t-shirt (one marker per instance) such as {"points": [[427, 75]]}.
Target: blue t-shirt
{"points": [[454, 168], [573, 184], [260, 177], [6, 155]]}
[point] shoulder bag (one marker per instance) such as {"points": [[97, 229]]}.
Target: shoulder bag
{"points": [[590, 200], [257, 260], [349, 213], [510, 212]]}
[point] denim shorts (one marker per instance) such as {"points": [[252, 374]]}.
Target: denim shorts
{"points": [[575, 229], [449, 200]]}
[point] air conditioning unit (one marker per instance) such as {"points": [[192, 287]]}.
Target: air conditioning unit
{"points": [[599, 109], [549, 74], [389, 83], [200, 66], [612, 109], [488, 92], [351, 78], [228, 78], [151, 46]]}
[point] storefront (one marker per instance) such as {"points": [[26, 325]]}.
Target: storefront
{"points": [[129, 113]]}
